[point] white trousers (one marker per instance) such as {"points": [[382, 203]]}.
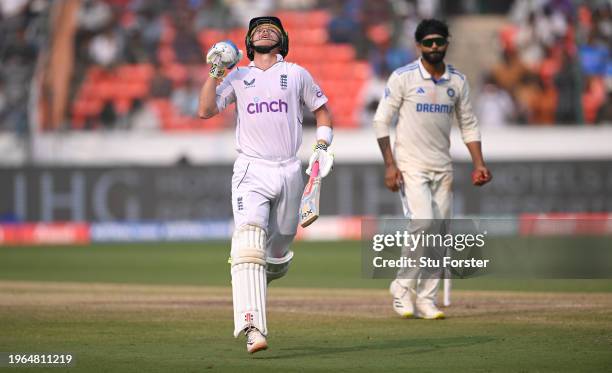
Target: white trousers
{"points": [[429, 196], [268, 194]]}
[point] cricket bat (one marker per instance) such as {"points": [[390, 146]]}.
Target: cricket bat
{"points": [[309, 207]]}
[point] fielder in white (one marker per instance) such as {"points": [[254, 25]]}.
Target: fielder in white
{"points": [[426, 95], [267, 183]]}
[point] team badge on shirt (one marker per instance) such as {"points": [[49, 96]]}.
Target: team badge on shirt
{"points": [[450, 92], [283, 81]]}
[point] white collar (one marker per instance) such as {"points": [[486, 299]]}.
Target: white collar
{"points": [[279, 58], [426, 75]]}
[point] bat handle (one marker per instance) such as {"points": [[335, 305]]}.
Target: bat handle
{"points": [[315, 169]]}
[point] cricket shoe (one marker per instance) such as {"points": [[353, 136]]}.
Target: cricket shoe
{"points": [[255, 340], [428, 311], [402, 303]]}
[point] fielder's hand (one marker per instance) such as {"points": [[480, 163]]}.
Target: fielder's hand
{"points": [[393, 177], [481, 175], [223, 55], [326, 160]]}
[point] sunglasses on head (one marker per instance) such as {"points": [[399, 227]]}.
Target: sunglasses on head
{"points": [[430, 42]]}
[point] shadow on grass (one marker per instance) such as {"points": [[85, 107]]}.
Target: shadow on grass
{"points": [[414, 345]]}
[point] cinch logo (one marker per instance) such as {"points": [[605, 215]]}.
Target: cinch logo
{"points": [[434, 108], [279, 106]]}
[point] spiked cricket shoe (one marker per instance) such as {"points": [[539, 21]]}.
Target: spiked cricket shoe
{"points": [[428, 311], [402, 303], [255, 341]]}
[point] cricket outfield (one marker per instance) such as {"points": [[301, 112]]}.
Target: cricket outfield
{"points": [[163, 307]]}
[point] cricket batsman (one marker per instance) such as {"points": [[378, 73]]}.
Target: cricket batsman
{"points": [[426, 95], [267, 183]]}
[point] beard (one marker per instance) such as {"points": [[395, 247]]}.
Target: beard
{"points": [[434, 58], [265, 48]]}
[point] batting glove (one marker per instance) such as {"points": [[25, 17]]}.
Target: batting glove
{"points": [[326, 160], [223, 55]]}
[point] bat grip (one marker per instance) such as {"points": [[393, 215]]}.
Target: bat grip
{"points": [[315, 169]]}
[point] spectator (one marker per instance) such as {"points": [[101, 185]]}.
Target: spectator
{"points": [[17, 70], [186, 45], [94, 16], [593, 98], [244, 10], [106, 48], [13, 8], [342, 27], [185, 99], [508, 73], [214, 14], [601, 27], [530, 42], [108, 116], [143, 117], [568, 89], [386, 57], [161, 86], [605, 112], [135, 51], [494, 106], [149, 26], [537, 102], [369, 97]]}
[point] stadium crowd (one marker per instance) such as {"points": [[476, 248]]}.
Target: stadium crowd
{"points": [[138, 64], [556, 64], [22, 36]]}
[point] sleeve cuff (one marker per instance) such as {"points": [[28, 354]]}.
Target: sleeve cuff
{"points": [[381, 130]]}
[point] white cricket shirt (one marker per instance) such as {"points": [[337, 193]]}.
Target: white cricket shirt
{"points": [[269, 107], [426, 109]]}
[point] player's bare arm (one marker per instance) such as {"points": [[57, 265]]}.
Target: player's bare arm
{"points": [[207, 106], [221, 57], [323, 119], [393, 176], [481, 174]]}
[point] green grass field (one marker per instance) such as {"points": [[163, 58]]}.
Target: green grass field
{"points": [[163, 307]]}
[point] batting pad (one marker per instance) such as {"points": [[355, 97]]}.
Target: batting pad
{"points": [[249, 291], [249, 245]]}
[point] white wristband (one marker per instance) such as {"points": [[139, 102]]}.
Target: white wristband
{"points": [[325, 133]]}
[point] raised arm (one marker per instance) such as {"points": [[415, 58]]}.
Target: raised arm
{"points": [[223, 55], [207, 106]]}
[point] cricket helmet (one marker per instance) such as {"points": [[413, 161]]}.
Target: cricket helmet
{"points": [[283, 43]]}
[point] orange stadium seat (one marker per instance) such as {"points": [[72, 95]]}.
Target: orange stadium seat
{"points": [[318, 18], [308, 37], [208, 37], [333, 66], [122, 105], [237, 36], [166, 55], [176, 72]]}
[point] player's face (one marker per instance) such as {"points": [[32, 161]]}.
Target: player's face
{"points": [[433, 48], [265, 35]]}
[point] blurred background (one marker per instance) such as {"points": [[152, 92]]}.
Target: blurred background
{"points": [[100, 142]]}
